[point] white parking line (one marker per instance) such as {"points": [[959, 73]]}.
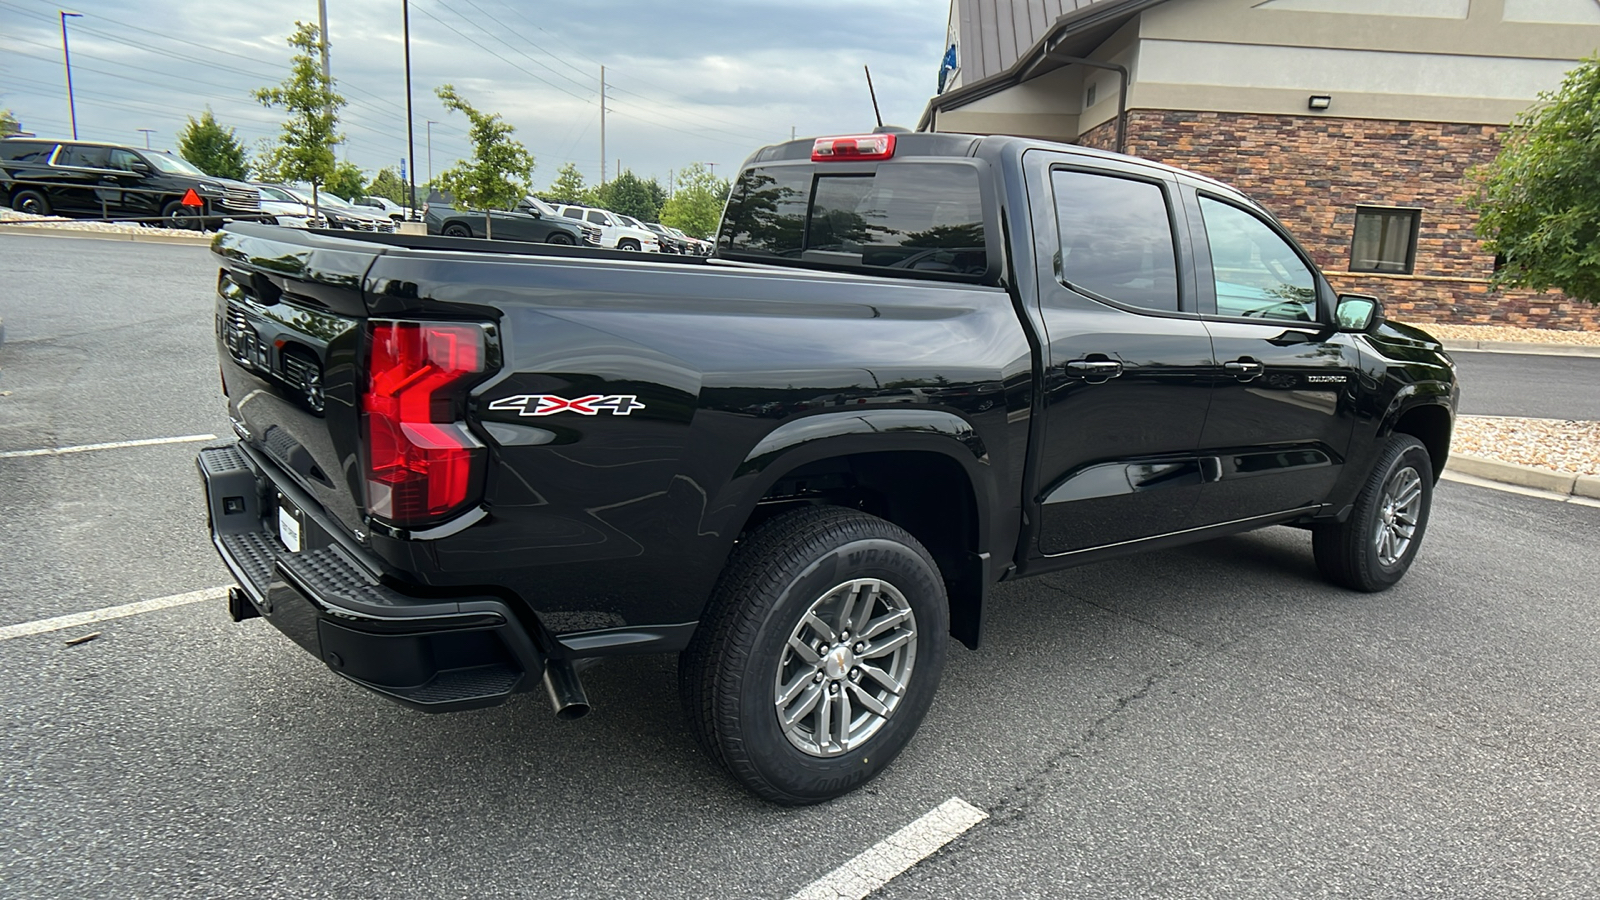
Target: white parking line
{"points": [[40, 626], [881, 862], [112, 445]]}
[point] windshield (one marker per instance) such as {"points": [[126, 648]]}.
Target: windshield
{"points": [[676, 233], [174, 165], [543, 207]]}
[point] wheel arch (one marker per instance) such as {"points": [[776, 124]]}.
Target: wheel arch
{"points": [[1432, 424], [924, 470]]}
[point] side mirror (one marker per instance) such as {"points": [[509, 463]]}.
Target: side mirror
{"points": [[140, 168], [1359, 312]]}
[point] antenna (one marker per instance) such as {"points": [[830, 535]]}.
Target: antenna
{"points": [[877, 115]]}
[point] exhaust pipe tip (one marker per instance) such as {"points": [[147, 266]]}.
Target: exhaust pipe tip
{"points": [[565, 689]]}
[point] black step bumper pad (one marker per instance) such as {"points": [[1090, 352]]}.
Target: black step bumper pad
{"points": [[430, 654]]}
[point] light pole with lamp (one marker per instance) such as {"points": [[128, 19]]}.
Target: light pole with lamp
{"points": [[147, 133], [431, 123], [66, 55]]}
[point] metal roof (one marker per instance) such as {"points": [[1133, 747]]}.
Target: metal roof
{"points": [[1076, 33]]}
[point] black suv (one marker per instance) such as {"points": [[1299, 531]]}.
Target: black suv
{"points": [[80, 178]]}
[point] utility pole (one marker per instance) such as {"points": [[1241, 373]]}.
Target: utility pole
{"points": [[147, 133], [72, 106], [602, 124], [411, 140], [791, 132]]}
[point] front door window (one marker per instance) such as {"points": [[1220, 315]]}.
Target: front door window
{"points": [[1258, 274]]}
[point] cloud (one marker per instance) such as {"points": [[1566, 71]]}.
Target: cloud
{"points": [[704, 81]]}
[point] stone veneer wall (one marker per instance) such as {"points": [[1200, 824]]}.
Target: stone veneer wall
{"points": [[1313, 171]]}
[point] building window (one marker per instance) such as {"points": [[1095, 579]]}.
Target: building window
{"points": [[1385, 241]]}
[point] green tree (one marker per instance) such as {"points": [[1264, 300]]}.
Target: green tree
{"points": [[696, 204], [500, 170], [8, 123], [1539, 201], [387, 184], [304, 151], [347, 180], [214, 149], [630, 195], [569, 188]]}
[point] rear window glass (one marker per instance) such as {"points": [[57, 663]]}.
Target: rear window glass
{"points": [[925, 217], [26, 151]]}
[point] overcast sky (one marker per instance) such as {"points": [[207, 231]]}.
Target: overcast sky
{"points": [[688, 80]]}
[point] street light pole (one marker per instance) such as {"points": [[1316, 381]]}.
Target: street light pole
{"points": [[66, 54], [147, 133], [431, 123], [411, 141]]}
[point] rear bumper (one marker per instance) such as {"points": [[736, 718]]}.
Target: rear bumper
{"points": [[429, 654]]}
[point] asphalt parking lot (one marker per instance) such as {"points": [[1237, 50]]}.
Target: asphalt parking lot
{"points": [[1207, 722]]}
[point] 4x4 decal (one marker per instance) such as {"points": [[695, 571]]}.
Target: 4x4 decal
{"points": [[550, 404]]}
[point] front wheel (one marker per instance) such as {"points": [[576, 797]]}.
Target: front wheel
{"points": [[628, 244], [560, 238], [818, 655], [456, 229], [176, 215], [1371, 550]]}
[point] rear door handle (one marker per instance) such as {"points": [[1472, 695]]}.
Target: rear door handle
{"points": [[1094, 370], [1244, 368]]}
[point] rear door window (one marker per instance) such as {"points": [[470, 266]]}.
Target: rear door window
{"points": [[924, 217], [1116, 239], [84, 157]]}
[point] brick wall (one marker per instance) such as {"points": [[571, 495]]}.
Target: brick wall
{"points": [[1313, 171]]}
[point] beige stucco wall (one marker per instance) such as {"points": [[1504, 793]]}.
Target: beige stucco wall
{"points": [[1269, 57]]}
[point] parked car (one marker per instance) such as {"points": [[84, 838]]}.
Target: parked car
{"points": [[89, 179], [614, 232], [382, 204], [339, 212], [530, 220], [670, 243], [285, 209], [699, 246], [919, 365]]}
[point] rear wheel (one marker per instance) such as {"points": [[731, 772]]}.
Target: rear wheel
{"points": [[456, 229], [560, 237], [31, 202], [818, 655], [627, 244], [1371, 550]]}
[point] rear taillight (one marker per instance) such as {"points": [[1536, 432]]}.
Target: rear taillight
{"points": [[852, 147], [422, 464]]}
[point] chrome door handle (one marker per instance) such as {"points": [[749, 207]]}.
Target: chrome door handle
{"points": [[1244, 368], [1095, 370]]}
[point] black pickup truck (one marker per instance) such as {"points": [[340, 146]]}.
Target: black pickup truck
{"points": [[917, 365]]}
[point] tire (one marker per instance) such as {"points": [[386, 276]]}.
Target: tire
{"points": [[176, 215], [755, 644], [456, 229], [560, 238], [628, 244], [1372, 550], [31, 202]]}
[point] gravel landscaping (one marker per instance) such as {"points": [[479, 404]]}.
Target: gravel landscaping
{"points": [[1547, 443], [1509, 333], [11, 216]]}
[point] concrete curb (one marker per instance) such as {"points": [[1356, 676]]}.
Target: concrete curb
{"points": [[1565, 483], [201, 240], [1527, 347]]}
